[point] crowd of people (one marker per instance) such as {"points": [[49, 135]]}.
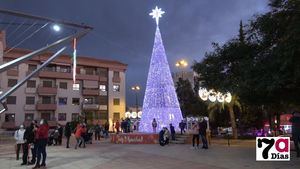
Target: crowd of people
{"points": [[36, 137]]}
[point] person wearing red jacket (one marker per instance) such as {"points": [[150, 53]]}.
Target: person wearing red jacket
{"points": [[78, 135], [41, 139]]}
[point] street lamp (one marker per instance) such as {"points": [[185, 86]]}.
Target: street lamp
{"points": [[181, 64], [136, 89], [56, 28]]}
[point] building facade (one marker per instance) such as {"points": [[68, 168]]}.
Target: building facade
{"points": [[50, 95]]}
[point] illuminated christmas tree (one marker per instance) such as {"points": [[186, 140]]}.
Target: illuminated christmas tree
{"points": [[160, 101]]}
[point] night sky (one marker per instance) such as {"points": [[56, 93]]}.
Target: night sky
{"points": [[124, 31]]}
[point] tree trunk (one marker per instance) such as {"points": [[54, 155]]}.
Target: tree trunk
{"points": [[233, 122]]}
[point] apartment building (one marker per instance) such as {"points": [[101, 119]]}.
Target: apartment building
{"points": [[50, 94]]}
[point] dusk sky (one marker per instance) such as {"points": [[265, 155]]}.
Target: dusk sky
{"points": [[124, 31]]}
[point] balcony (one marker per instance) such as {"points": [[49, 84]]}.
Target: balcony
{"points": [[90, 92], [12, 72], [103, 79], [116, 79], [103, 93], [90, 106], [103, 107], [55, 74], [30, 90], [29, 107], [9, 125], [46, 106], [47, 90], [87, 77]]}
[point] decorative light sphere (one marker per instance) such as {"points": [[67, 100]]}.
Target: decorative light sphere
{"points": [[203, 93], [220, 97], [56, 28], [212, 95], [139, 114], [134, 114], [228, 97], [127, 114]]}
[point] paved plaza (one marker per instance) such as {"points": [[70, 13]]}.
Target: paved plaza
{"points": [[104, 155]]}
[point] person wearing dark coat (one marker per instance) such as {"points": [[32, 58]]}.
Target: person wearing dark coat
{"points": [[60, 133], [182, 127], [29, 138], [202, 132], [295, 120], [172, 129], [68, 133]]}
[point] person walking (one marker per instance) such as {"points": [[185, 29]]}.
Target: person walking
{"points": [[68, 134], [166, 135], [97, 132], [106, 129], [117, 126], [78, 133], [42, 138], [182, 127], [60, 134], [29, 138], [154, 125], [19, 134], [195, 132], [172, 129], [295, 120], [202, 132]]}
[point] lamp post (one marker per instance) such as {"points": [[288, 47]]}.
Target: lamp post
{"points": [[136, 89], [181, 64]]}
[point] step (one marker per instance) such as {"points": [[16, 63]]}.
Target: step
{"points": [[177, 142]]}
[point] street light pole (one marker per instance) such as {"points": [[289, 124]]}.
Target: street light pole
{"points": [[136, 89], [181, 64]]}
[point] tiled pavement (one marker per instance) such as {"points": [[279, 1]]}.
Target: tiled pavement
{"points": [[103, 155]]}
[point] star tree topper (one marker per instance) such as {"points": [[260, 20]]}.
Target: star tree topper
{"points": [[156, 13]]}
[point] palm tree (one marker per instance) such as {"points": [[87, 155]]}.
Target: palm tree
{"points": [[216, 106]]}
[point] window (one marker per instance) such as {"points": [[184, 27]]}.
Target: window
{"points": [[12, 82], [88, 100], [46, 100], [116, 116], [47, 83], [62, 100], [30, 100], [75, 101], [103, 72], [9, 117], [11, 100], [103, 115], [103, 100], [102, 88], [116, 88], [75, 116], [46, 116], [116, 101], [31, 84], [62, 117], [64, 69], [89, 71], [31, 67], [116, 74], [29, 116], [63, 85]]}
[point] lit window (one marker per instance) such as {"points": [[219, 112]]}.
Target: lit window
{"points": [[116, 88], [116, 101], [102, 88]]}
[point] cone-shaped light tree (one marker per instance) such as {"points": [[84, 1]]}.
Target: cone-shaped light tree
{"points": [[160, 101]]}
